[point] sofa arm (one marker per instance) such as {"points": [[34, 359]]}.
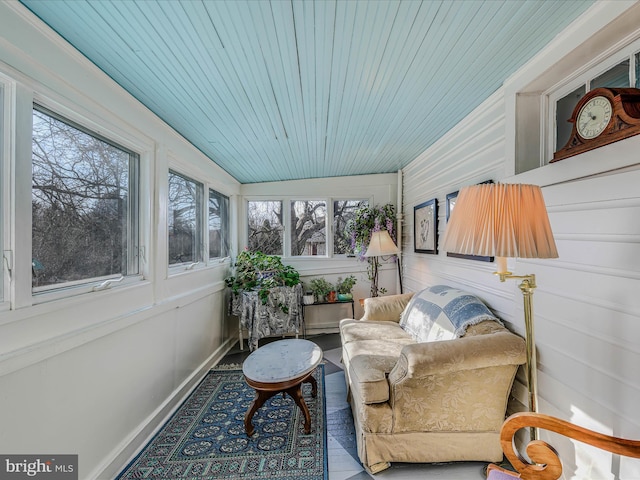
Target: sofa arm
{"points": [[455, 385], [387, 308], [421, 360]]}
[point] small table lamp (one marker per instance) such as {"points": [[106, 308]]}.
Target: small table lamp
{"points": [[381, 244], [505, 220]]}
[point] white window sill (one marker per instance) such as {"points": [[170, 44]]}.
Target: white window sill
{"points": [[59, 292]]}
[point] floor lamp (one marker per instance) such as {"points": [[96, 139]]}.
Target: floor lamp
{"points": [[380, 245], [505, 220]]}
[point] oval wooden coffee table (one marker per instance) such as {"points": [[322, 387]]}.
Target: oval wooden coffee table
{"points": [[281, 366]]}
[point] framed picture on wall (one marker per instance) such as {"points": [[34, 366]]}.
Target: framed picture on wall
{"points": [[450, 204], [425, 227]]}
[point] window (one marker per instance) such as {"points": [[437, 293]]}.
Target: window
{"points": [[84, 204], [343, 212], [308, 232], [622, 74], [218, 225], [266, 228], [184, 219], [308, 227], [6, 256], [616, 77], [564, 110]]}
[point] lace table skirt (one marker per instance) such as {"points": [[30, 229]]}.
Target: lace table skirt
{"points": [[281, 314]]}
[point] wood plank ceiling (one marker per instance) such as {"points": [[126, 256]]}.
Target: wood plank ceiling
{"points": [[280, 90]]}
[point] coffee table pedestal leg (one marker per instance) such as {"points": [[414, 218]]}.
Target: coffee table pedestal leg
{"points": [[261, 397], [294, 392], [314, 385]]}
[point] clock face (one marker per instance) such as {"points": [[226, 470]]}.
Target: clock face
{"points": [[594, 117]]}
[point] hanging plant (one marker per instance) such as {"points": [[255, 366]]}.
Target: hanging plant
{"points": [[366, 221]]}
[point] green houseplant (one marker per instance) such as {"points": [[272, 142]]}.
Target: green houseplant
{"points": [[344, 287], [366, 221], [320, 288], [258, 271]]}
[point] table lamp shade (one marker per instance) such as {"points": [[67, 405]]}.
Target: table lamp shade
{"points": [[380, 244], [500, 220]]}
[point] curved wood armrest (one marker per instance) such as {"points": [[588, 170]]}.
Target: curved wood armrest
{"points": [[547, 465]]}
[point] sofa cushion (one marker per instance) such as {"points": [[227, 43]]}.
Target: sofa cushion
{"points": [[369, 362], [354, 330], [443, 313]]}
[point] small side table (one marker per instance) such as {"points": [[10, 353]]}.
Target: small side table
{"points": [[316, 304], [337, 302], [281, 366]]}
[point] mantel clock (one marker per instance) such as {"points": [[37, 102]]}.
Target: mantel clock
{"points": [[601, 117]]}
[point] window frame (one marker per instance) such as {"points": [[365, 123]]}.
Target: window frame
{"points": [[582, 77], [201, 205], [134, 258], [285, 220], [328, 248], [286, 202], [5, 196], [225, 226], [333, 232]]}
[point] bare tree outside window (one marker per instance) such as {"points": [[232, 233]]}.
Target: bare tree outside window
{"points": [[343, 211], [265, 226], [218, 225], [184, 219], [83, 224], [308, 227]]}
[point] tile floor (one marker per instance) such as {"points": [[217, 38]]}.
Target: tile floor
{"points": [[342, 455]]}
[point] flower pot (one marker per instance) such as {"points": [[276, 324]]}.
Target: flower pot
{"points": [[308, 299], [331, 297], [345, 297]]}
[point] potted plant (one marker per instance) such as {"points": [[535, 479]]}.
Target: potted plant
{"points": [[366, 221], [308, 297], [258, 271], [344, 287], [320, 288]]}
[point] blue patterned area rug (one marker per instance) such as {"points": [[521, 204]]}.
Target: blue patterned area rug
{"points": [[205, 438]]}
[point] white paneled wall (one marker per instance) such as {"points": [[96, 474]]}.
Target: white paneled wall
{"points": [[587, 304], [591, 323], [467, 155]]}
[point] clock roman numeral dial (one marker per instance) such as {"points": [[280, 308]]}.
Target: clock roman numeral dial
{"points": [[594, 117]]}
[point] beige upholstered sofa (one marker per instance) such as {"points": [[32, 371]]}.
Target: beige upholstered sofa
{"points": [[423, 388]]}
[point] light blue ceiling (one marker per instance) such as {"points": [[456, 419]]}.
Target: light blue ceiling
{"points": [[279, 90]]}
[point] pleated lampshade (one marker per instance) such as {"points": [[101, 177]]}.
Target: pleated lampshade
{"points": [[500, 220]]}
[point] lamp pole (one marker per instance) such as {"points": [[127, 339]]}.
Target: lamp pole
{"points": [[527, 286]]}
